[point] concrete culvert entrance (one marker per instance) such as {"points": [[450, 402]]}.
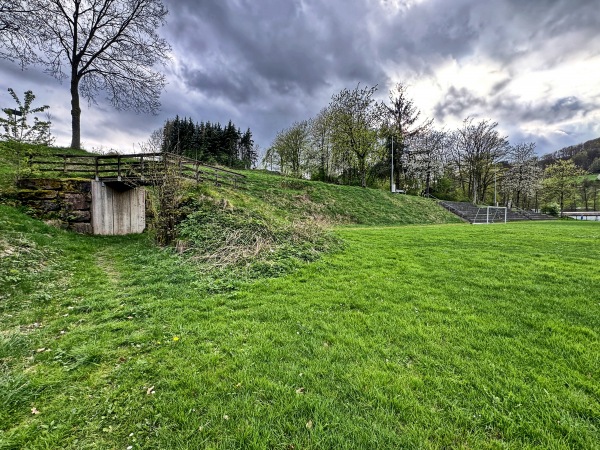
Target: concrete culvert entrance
{"points": [[117, 208]]}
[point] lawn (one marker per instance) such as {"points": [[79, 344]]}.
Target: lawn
{"points": [[442, 336]]}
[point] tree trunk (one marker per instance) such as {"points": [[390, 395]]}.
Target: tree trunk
{"points": [[561, 202], [75, 113], [363, 171]]}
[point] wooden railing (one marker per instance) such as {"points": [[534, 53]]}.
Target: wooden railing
{"points": [[137, 169]]}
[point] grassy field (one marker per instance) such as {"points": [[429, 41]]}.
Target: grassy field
{"points": [[443, 336]]}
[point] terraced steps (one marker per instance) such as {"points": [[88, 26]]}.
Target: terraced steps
{"points": [[478, 214]]}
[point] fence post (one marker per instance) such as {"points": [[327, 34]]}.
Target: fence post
{"points": [[96, 168], [119, 167]]}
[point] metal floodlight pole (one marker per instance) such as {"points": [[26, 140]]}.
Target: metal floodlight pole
{"points": [[495, 202], [392, 186]]}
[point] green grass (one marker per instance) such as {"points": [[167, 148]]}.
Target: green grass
{"points": [[335, 204], [448, 336], [590, 177]]}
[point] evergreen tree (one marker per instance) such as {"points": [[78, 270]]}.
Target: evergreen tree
{"points": [[209, 142]]}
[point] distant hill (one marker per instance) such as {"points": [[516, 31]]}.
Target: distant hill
{"points": [[585, 155]]}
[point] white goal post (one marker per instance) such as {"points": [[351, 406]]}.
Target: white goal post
{"points": [[491, 214]]}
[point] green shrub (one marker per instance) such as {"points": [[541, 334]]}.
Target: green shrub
{"points": [[551, 208], [222, 236]]}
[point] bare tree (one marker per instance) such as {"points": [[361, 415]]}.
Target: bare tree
{"points": [[320, 155], [14, 44], [523, 178], [476, 148], [154, 144], [102, 46], [425, 157]]}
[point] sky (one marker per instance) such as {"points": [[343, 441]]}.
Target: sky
{"points": [[533, 66]]}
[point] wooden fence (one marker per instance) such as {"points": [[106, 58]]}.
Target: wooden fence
{"points": [[135, 169]]}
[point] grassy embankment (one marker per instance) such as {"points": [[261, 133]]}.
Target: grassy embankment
{"points": [[445, 336], [270, 228]]}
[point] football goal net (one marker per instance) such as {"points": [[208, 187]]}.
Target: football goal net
{"points": [[491, 214]]}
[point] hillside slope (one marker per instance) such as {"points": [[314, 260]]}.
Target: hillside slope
{"points": [[281, 197], [269, 228]]}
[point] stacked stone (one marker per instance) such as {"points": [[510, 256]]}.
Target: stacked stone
{"points": [[63, 201]]}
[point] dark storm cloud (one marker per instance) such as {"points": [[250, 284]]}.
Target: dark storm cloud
{"points": [[221, 83], [253, 49], [460, 103], [267, 63]]}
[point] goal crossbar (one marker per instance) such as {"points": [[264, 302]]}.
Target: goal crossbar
{"points": [[491, 214]]}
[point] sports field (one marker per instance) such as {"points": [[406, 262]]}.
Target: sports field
{"points": [[444, 336]]}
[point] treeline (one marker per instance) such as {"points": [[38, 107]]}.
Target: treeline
{"points": [[208, 142], [586, 156], [357, 140]]}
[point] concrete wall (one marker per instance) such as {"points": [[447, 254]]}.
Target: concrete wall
{"points": [[116, 210]]}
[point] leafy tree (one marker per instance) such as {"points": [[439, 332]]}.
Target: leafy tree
{"points": [[595, 192], [588, 191], [289, 149], [560, 181], [230, 143], [108, 46], [248, 150], [356, 118], [209, 142], [16, 126], [595, 166]]}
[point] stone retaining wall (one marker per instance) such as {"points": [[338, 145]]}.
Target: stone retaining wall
{"points": [[68, 201]]}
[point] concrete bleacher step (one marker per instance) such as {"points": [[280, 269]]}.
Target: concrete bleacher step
{"points": [[472, 213]]}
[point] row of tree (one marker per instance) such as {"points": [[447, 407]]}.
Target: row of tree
{"points": [[357, 140], [586, 156], [208, 142]]}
